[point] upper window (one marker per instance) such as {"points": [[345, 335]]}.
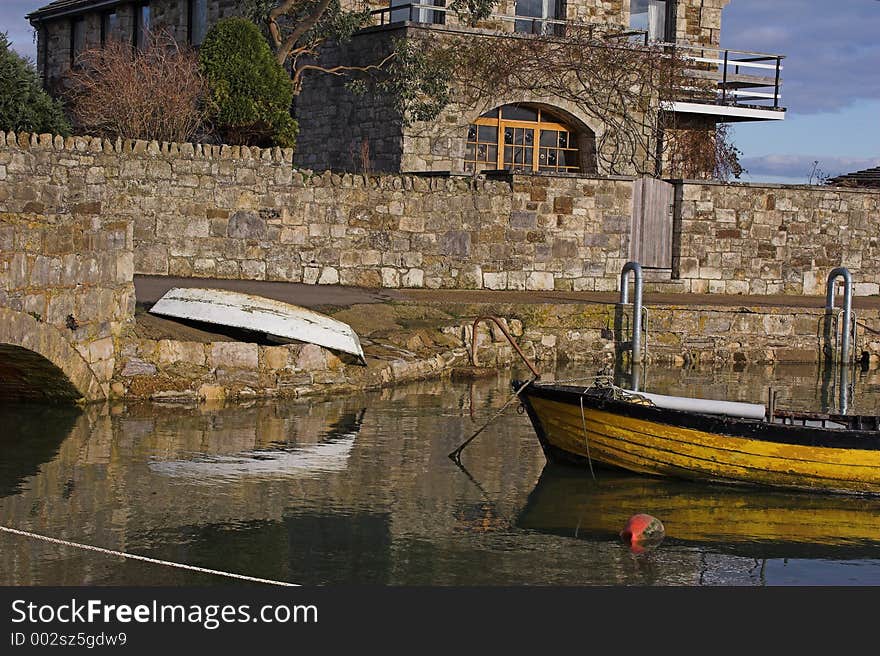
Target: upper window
{"points": [[109, 26], [198, 21], [539, 16], [77, 37], [521, 138], [142, 25], [419, 13], [650, 16]]}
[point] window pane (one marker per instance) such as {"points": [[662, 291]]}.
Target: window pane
{"points": [[200, 21], [519, 113], [472, 133], [638, 14], [488, 134], [530, 8], [491, 114], [79, 36], [548, 137]]}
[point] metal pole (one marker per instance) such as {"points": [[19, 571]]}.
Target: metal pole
{"points": [[847, 306], [724, 80], [776, 92], [636, 270]]}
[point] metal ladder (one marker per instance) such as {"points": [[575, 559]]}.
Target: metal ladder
{"points": [[639, 350], [840, 336]]}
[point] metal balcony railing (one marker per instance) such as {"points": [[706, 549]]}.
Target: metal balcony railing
{"points": [[736, 77]]}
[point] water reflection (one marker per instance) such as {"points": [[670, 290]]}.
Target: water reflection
{"points": [[359, 489], [330, 453], [715, 518]]}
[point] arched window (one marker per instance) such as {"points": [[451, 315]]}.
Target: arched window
{"points": [[521, 138]]}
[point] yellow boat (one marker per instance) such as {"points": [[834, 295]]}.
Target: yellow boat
{"points": [[726, 519], [700, 440]]}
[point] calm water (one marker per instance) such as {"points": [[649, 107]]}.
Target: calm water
{"points": [[359, 489]]}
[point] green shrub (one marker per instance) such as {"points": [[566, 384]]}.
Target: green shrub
{"points": [[24, 106], [250, 93]]}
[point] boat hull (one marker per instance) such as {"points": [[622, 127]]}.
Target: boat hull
{"points": [[256, 313], [579, 428]]}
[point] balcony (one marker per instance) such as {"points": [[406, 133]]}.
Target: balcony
{"points": [[742, 86]]}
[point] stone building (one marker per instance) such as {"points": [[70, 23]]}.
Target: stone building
{"points": [[523, 131]]}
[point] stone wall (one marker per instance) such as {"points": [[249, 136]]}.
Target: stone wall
{"points": [[239, 213], [773, 239], [66, 268], [548, 334]]}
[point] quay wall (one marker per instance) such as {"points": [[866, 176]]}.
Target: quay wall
{"points": [[247, 213], [548, 334]]}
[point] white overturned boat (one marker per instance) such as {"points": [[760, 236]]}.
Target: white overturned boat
{"points": [[260, 314]]}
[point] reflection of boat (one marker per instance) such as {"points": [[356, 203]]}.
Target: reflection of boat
{"points": [[697, 440], [328, 455], [263, 315], [567, 502]]}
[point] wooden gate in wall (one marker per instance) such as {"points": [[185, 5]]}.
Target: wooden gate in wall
{"points": [[652, 219]]}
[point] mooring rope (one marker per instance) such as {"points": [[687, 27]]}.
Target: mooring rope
{"points": [[456, 455], [155, 561], [586, 437]]}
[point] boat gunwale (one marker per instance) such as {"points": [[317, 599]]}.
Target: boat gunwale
{"points": [[736, 427]]}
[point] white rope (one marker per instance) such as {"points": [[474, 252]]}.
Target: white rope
{"points": [[156, 561]]}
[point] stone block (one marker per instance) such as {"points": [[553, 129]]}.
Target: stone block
{"points": [[540, 281], [275, 357], [234, 355], [311, 358], [329, 276], [212, 392], [456, 243], [172, 351], [495, 280], [390, 277], [246, 225], [526, 220], [101, 349], [414, 278]]}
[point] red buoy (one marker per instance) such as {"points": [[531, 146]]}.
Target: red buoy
{"points": [[643, 532]]}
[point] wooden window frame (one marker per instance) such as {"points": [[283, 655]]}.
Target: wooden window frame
{"points": [[553, 124]]}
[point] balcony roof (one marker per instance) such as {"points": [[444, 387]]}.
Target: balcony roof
{"points": [[60, 8]]}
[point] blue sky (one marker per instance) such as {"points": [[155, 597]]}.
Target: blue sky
{"points": [[831, 81]]}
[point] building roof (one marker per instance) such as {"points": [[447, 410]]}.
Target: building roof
{"points": [[64, 7], [865, 178]]}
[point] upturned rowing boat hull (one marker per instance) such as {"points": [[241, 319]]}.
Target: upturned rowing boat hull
{"points": [[575, 426]]}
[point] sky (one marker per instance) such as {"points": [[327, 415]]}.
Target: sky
{"points": [[830, 82]]}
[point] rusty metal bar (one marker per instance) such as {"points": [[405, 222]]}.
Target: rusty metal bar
{"points": [[490, 317]]}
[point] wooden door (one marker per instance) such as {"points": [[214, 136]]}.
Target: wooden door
{"points": [[651, 238]]}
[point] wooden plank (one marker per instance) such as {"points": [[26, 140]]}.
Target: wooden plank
{"points": [[653, 236]]}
